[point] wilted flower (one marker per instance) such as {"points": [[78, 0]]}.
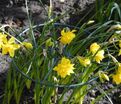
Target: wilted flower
{"points": [[9, 47], [84, 61], [113, 58], [67, 36], [90, 22], [99, 56], [64, 67], [27, 45], [118, 27], [94, 48]]}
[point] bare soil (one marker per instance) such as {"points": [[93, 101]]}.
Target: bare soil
{"points": [[13, 12]]}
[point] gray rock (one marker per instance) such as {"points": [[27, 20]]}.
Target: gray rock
{"points": [[4, 63]]}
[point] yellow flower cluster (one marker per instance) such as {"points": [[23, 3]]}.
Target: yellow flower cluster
{"points": [[117, 77], [98, 54], [67, 36], [64, 67], [9, 46]]}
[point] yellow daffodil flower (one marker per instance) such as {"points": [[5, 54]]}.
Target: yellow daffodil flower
{"points": [[119, 52], [3, 39], [84, 61], [120, 43], [99, 56], [27, 45], [9, 47], [120, 48], [117, 78], [67, 36], [103, 76], [119, 68], [94, 47], [64, 67]]}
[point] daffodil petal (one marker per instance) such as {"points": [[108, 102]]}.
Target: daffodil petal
{"points": [[4, 50], [11, 40], [11, 52]]}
